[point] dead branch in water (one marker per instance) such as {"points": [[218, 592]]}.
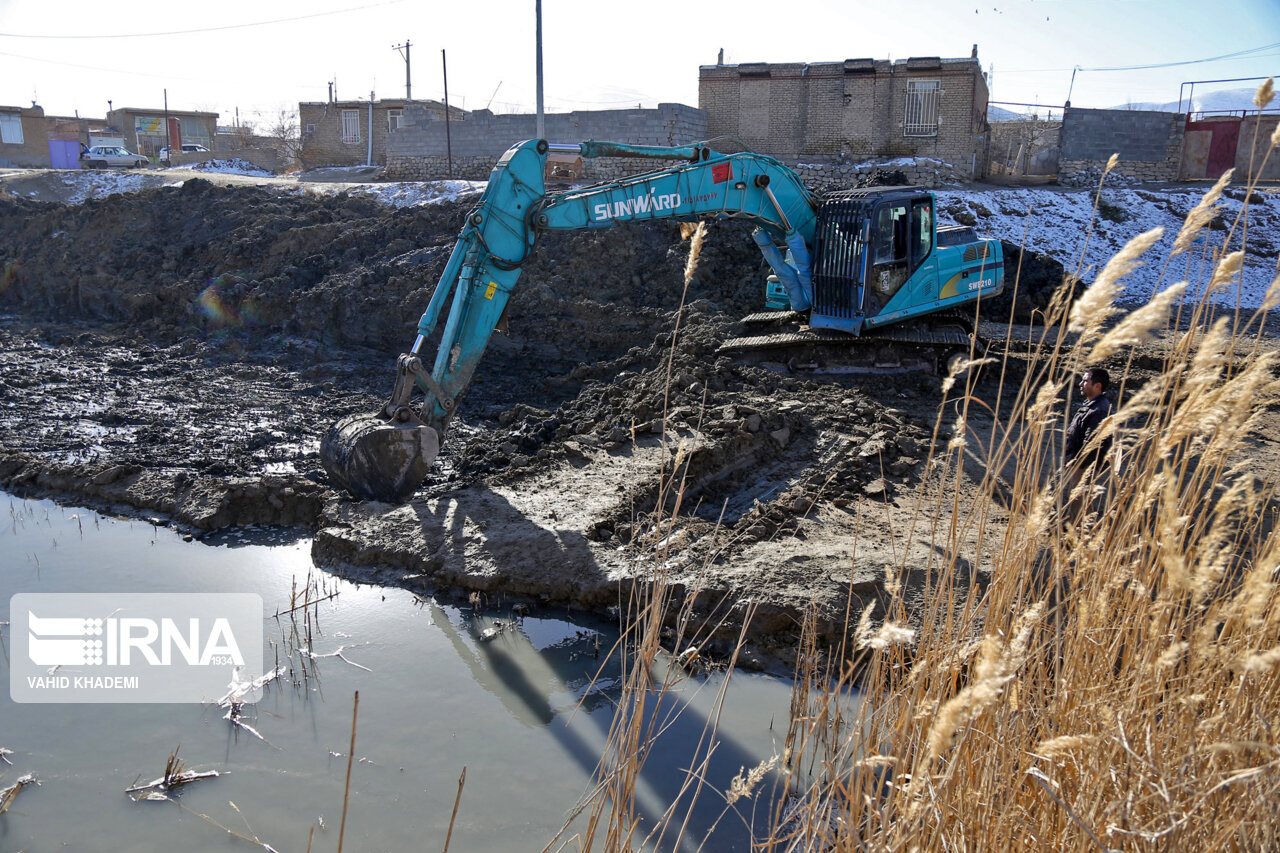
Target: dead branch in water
{"points": [[9, 794], [175, 777]]}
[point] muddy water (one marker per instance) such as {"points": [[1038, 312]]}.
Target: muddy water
{"points": [[520, 712]]}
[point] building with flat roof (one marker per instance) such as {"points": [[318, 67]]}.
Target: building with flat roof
{"points": [[852, 110], [146, 131]]}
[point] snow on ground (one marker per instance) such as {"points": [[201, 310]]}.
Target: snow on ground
{"points": [[232, 166], [405, 193], [1058, 223], [90, 183]]}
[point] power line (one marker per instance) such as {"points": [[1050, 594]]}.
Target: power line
{"points": [[208, 29], [1253, 52], [1237, 55], [148, 74]]}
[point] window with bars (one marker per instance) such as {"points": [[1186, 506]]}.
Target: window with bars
{"points": [[11, 128], [921, 117], [350, 126], [394, 118]]}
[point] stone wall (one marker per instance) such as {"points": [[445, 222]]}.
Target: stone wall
{"points": [[843, 112], [917, 171], [33, 151], [420, 149], [1149, 145]]}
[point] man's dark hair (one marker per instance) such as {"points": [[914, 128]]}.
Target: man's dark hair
{"points": [[1100, 376]]}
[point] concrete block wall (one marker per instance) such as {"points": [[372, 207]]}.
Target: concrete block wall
{"points": [[419, 150], [1256, 130], [1149, 145]]}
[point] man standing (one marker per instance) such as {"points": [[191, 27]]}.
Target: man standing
{"points": [[1092, 412], [1095, 408]]}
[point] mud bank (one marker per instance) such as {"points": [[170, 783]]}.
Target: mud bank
{"points": [[179, 352], [737, 493]]}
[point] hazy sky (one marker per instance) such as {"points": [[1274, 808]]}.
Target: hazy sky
{"points": [[261, 57]]}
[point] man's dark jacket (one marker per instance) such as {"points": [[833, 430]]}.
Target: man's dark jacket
{"points": [[1083, 423]]}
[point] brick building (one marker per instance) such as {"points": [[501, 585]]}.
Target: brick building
{"points": [[145, 132], [24, 140], [843, 112], [338, 133]]}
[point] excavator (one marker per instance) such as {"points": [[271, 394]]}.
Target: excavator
{"points": [[857, 267]]}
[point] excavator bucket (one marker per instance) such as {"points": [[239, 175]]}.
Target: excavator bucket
{"points": [[377, 460]]}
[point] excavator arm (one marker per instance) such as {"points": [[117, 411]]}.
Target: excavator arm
{"points": [[386, 456]]}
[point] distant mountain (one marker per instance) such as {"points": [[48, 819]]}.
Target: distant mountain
{"points": [[1223, 99], [1001, 114]]}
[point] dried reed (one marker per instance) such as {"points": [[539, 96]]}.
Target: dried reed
{"points": [[1115, 685]]}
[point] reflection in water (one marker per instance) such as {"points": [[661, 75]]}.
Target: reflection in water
{"points": [[522, 710]]}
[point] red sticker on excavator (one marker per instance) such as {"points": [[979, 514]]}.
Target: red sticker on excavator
{"points": [[721, 172]]}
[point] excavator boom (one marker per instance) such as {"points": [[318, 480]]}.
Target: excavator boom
{"points": [[386, 456]]}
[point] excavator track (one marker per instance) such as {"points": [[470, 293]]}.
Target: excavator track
{"points": [[900, 348]]}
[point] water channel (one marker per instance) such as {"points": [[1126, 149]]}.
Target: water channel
{"points": [[523, 712]]}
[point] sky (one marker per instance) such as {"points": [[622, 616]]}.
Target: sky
{"points": [[255, 59]]}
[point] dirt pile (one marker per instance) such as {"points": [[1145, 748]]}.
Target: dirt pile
{"points": [[203, 259]]}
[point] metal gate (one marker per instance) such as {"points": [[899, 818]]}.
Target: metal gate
{"points": [[1210, 147], [64, 154]]}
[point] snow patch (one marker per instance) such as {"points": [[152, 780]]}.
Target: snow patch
{"points": [[401, 194], [1065, 226], [232, 166]]}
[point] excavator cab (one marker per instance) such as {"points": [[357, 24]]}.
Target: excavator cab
{"points": [[877, 260]]}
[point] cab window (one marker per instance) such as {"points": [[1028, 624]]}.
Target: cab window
{"points": [[921, 230]]}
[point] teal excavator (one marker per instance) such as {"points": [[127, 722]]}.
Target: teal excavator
{"points": [[858, 267]]}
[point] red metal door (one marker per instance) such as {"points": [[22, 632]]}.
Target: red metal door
{"points": [[1222, 151], [1219, 155]]}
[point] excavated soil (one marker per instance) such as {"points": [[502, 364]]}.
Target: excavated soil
{"points": [[179, 351]]}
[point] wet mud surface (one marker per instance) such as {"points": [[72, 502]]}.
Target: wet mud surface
{"points": [[178, 353]]}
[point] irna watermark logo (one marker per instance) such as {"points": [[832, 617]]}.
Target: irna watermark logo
{"points": [[125, 647]]}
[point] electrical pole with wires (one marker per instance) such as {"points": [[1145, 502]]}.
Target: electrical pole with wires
{"points": [[408, 81]]}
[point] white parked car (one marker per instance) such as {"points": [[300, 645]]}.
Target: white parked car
{"points": [[101, 156], [187, 148]]}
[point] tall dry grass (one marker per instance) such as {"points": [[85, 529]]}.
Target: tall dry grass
{"points": [[1114, 685]]}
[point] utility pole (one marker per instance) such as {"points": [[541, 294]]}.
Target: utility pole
{"points": [[408, 81], [541, 130], [448, 143], [168, 131]]}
